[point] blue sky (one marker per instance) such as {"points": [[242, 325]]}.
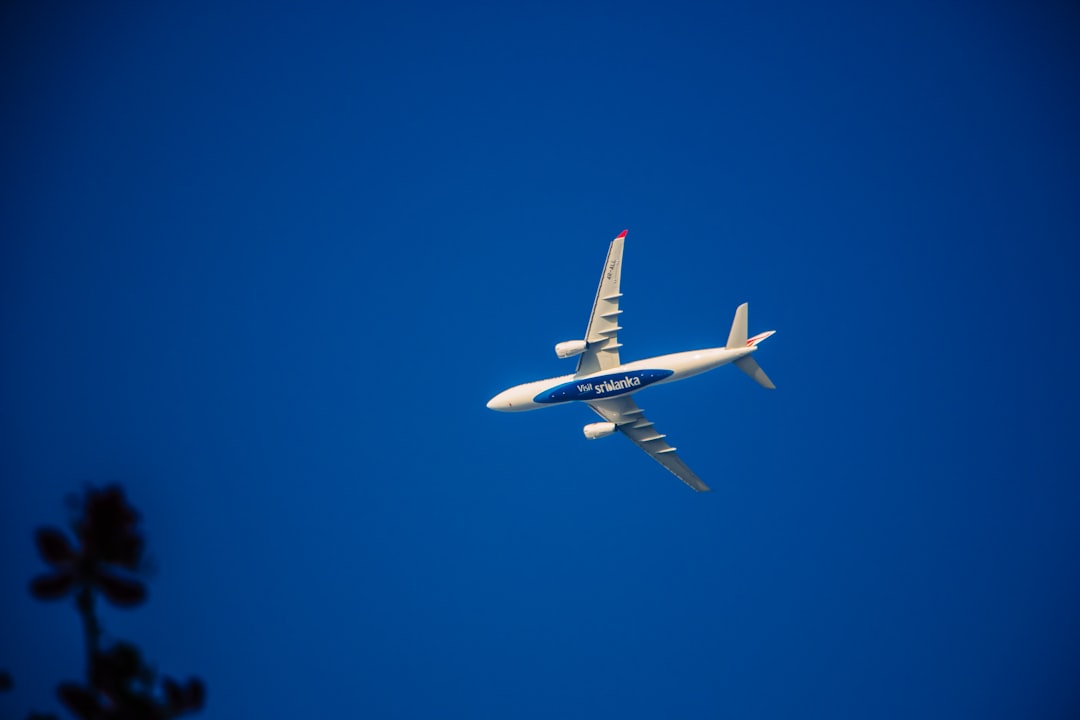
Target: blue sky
{"points": [[264, 264]]}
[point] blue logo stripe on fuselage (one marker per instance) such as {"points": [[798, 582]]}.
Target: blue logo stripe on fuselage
{"points": [[603, 386]]}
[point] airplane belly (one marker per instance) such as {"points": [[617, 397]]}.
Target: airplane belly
{"points": [[599, 387]]}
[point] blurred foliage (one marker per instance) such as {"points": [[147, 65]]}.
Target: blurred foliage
{"points": [[106, 559]]}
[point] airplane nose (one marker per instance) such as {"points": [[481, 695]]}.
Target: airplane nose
{"points": [[500, 402]]}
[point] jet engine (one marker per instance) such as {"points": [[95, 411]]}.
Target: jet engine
{"points": [[594, 431], [570, 348]]}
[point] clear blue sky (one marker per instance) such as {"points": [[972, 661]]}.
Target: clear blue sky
{"points": [[264, 264]]}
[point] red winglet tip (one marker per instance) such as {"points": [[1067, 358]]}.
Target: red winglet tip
{"points": [[621, 235]]}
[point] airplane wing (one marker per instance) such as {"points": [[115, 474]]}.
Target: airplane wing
{"points": [[602, 335], [630, 419]]}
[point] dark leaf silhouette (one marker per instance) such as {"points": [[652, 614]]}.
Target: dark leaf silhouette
{"points": [[195, 694], [54, 546], [80, 701], [52, 587], [121, 591], [116, 671], [173, 694], [108, 530], [184, 699]]}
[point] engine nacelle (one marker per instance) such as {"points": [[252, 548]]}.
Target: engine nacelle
{"points": [[570, 348], [594, 431]]}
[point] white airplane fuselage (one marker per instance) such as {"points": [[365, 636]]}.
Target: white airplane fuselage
{"points": [[624, 379]]}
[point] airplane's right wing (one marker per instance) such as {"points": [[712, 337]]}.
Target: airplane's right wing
{"points": [[602, 335], [630, 420]]}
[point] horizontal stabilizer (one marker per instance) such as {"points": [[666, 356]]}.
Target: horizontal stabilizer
{"points": [[758, 338], [749, 366]]}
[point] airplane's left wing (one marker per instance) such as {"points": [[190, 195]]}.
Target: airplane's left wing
{"points": [[630, 420], [602, 335]]}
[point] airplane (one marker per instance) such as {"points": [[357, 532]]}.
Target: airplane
{"points": [[606, 384]]}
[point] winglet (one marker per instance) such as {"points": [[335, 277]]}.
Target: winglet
{"points": [[621, 235]]}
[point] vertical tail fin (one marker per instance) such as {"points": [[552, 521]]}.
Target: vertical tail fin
{"points": [[737, 339]]}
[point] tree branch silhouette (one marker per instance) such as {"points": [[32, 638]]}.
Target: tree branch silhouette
{"points": [[106, 560]]}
